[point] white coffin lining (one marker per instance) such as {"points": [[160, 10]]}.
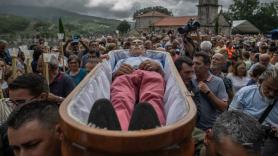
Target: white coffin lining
{"points": [[98, 86]]}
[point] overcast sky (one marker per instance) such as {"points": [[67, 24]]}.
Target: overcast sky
{"points": [[119, 9]]}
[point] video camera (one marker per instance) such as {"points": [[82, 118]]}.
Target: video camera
{"points": [[192, 25]]}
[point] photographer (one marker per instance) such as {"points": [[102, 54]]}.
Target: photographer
{"points": [[189, 48], [261, 102], [72, 47]]}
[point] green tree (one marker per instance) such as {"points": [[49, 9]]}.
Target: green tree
{"points": [[266, 17], [61, 26], [262, 15], [149, 9], [123, 27], [244, 9]]}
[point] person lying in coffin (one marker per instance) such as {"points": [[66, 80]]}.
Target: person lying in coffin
{"points": [[137, 92]]}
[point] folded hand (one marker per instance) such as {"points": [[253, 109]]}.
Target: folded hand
{"points": [[124, 69]]}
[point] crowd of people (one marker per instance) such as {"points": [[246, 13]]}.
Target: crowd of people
{"points": [[233, 81]]}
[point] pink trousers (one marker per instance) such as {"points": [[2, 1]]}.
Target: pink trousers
{"points": [[140, 86]]}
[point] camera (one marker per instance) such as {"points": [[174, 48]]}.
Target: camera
{"points": [[192, 25], [75, 40]]}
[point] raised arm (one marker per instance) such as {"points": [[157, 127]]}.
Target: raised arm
{"points": [[84, 45]]}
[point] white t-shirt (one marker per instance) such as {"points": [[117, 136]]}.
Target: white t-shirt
{"points": [[238, 82]]}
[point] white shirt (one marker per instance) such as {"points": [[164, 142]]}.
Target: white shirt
{"points": [[238, 82]]}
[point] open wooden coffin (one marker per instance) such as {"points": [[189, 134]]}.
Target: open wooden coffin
{"points": [[82, 140]]}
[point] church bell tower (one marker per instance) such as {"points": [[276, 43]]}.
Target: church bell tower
{"points": [[207, 13]]}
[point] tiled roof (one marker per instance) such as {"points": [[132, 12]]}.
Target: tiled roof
{"points": [[153, 14], [174, 21]]}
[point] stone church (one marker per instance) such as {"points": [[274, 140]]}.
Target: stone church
{"points": [[212, 21]]}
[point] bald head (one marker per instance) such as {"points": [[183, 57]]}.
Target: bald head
{"points": [[264, 59], [218, 61], [219, 55]]}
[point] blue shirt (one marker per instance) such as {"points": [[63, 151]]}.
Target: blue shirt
{"points": [[134, 62], [78, 77], [250, 101], [207, 112]]}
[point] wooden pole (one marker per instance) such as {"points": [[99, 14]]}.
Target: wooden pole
{"points": [[1, 79], [47, 73], [28, 57], [63, 59], [45, 67], [14, 74], [29, 68]]}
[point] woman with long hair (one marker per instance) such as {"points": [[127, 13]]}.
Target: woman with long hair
{"points": [[239, 76]]}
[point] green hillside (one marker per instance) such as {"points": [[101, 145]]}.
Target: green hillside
{"points": [[43, 21]]}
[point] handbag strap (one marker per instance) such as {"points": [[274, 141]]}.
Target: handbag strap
{"points": [[267, 111]]}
